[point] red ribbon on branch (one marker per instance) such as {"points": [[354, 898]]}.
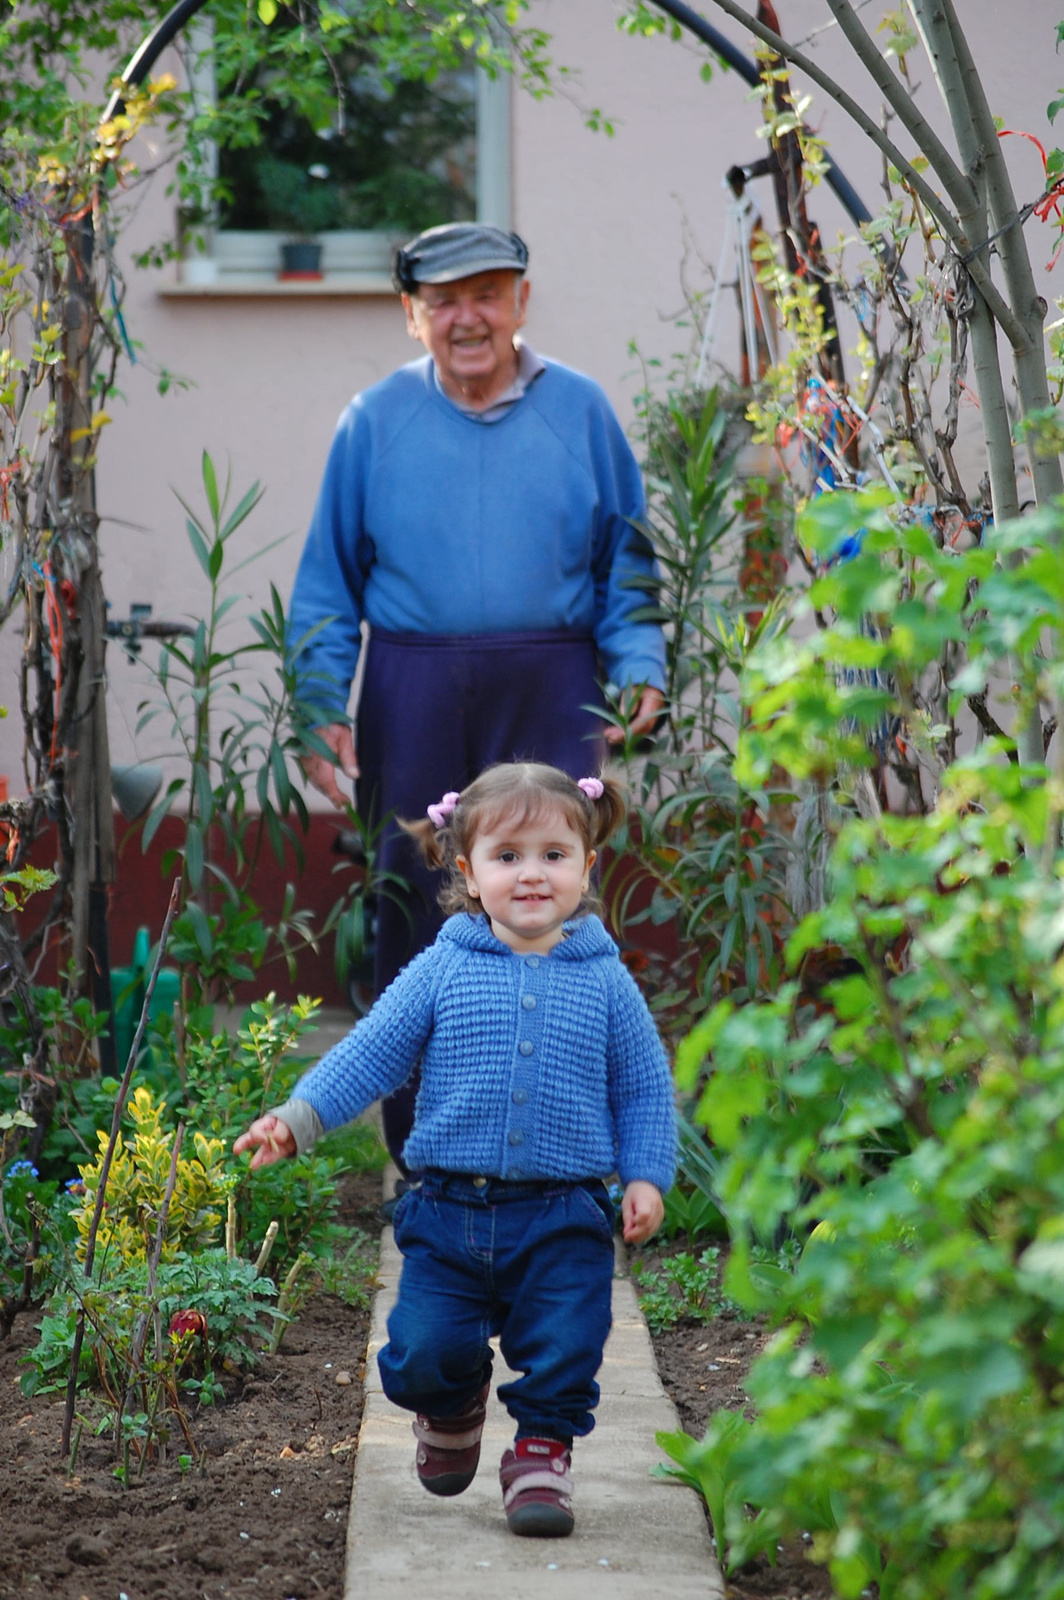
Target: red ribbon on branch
{"points": [[1050, 202]]}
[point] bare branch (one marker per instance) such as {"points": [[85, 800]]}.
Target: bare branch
{"points": [[901, 103], [1012, 326]]}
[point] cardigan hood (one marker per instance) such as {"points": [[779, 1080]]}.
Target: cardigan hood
{"points": [[585, 938]]}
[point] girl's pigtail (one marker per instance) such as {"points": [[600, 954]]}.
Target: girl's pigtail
{"points": [[608, 810], [429, 839]]}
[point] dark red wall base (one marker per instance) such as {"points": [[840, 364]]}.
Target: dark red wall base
{"points": [[141, 894]]}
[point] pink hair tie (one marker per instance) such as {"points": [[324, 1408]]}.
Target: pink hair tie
{"points": [[439, 813], [592, 787]]}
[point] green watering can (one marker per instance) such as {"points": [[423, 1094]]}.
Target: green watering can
{"points": [[128, 986]]}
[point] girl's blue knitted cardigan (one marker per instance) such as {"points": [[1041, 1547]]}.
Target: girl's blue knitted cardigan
{"points": [[532, 1066]]}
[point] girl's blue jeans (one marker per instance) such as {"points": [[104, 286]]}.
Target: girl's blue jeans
{"points": [[530, 1262]]}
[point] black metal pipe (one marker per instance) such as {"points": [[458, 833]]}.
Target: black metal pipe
{"points": [[720, 46], [149, 51], [747, 70]]}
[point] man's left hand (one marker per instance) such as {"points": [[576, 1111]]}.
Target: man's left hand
{"points": [[647, 711]]}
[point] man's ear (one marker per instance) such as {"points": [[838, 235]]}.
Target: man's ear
{"points": [[411, 316], [523, 289]]}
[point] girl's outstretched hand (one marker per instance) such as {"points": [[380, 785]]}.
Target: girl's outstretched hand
{"points": [[270, 1138], [642, 1211]]}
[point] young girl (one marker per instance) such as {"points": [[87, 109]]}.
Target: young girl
{"points": [[542, 1074]]}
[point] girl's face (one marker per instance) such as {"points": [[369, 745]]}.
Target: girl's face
{"points": [[530, 878]]}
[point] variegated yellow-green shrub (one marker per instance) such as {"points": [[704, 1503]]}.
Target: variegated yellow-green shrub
{"points": [[137, 1182]]}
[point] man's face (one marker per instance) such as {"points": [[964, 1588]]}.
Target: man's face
{"points": [[468, 326]]}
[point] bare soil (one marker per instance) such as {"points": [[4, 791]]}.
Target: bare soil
{"points": [[266, 1518], [702, 1367]]}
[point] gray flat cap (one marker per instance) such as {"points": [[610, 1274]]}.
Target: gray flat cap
{"points": [[457, 250]]}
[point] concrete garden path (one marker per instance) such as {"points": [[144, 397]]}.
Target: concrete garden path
{"points": [[635, 1538]]}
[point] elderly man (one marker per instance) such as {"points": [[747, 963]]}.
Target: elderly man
{"points": [[477, 512]]}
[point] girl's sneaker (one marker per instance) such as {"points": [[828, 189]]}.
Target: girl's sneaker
{"points": [[448, 1448], [537, 1490]]}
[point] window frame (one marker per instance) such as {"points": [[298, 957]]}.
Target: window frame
{"points": [[350, 257]]}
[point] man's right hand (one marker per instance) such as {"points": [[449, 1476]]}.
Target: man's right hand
{"points": [[321, 772]]}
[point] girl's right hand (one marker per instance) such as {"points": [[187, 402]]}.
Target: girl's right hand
{"points": [[270, 1138]]}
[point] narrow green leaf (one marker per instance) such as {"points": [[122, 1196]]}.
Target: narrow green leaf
{"points": [[196, 540], [273, 832], [201, 928], [210, 484], [158, 812], [243, 510], [281, 782], [727, 943], [194, 856]]}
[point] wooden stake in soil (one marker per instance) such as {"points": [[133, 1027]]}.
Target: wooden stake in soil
{"points": [[105, 1169], [267, 1247], [284, 1299]]}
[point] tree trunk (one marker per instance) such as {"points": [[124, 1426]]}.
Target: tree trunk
{"points": [[87, 768], [1011, 246], [955, 85]]}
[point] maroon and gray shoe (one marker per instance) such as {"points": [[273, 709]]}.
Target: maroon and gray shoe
{"points": [[448, 1448], [537, 1489]]}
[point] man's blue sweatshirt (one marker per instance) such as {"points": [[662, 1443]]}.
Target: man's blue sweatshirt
{"points": [[532, 1066], [430, 521]]}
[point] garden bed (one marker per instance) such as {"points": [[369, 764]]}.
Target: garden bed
{"points": [[266, 1517], [702, 1367]]}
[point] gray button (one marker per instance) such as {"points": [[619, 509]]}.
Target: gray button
{"points": [[529, 1002], [516, 1136], [520, 1096], [526, 1047], [532, 961], [480, 1183]]}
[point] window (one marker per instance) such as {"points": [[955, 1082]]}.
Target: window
{"points": [[403, 160]]}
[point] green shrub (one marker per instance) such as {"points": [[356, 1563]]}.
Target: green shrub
{"points": [[700, 853], [228, 1081], [136, 1185], [910, 1407], [233, 1302], [684, 1290], [82, 1104], [37, 1231], [692, 1213]]}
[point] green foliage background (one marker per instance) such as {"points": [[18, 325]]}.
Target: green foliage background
{"points": [[910, 1408]]}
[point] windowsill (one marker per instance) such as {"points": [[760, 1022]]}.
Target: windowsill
{"points": [[256, 286]]}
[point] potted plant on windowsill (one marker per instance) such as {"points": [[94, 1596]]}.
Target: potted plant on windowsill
{"points": [[300, 203]]}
